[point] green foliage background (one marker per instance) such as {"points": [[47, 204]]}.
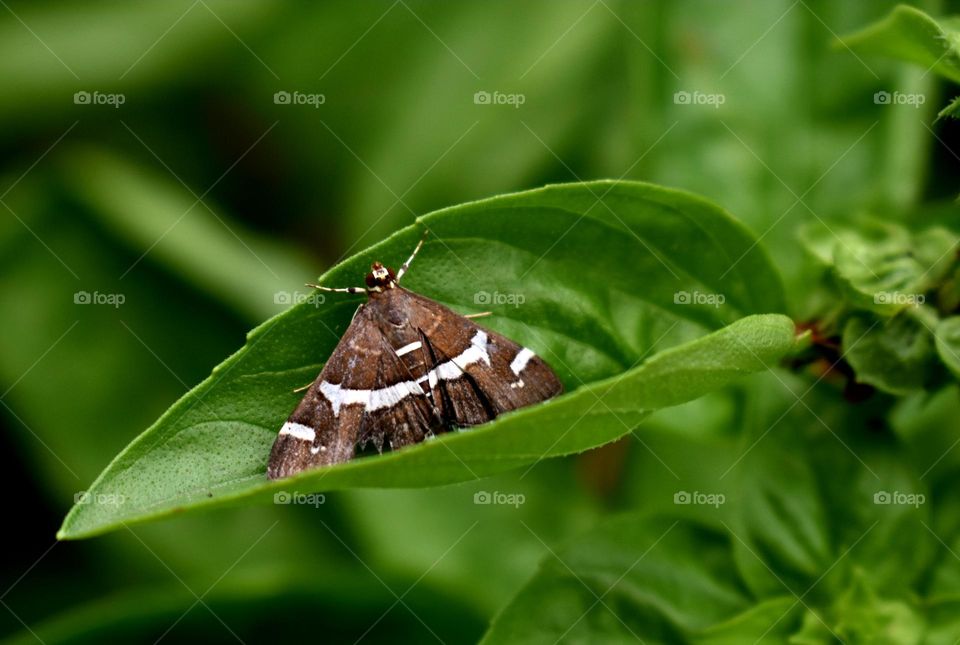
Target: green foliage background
{"points": [[200, 199]]}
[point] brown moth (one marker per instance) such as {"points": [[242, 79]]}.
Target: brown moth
{"points": [[407, 368]]}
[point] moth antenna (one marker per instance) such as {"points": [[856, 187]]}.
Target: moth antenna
{"points": [[341, 289], [406, 265], [304, 387], [479, 315]]}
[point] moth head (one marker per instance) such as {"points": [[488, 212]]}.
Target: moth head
{"points": [[380, 277]]}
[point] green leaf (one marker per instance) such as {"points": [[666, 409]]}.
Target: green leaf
{"points": [[926, 423], [194, 471], [781, 522], [158, 217], [863, 617], [769, 621], [655, 579], [947, 336], [878, 505], [78, 35], [911, 35], [951, 111], [252, 598], [857, 528], [885, 268], [596, 303], [943, 622], [894, 354]]}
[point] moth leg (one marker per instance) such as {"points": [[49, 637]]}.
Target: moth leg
{"points": [[479, 315], [406, 265], [340, 289], [305, 387]]}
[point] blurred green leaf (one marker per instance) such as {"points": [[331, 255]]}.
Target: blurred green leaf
{"points": [[885, 268], [893, 354], [877, 503], [947, 335], [52, 50], [849, 554], [952, 110], [943, 623], [552, 504], [585, 316], [863, 617], [769, 621], [634, 577], [909, 34], [780, 518], [171, 224], [925, 423], [259, 605]]}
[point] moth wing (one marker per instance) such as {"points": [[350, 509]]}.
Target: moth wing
{"points": [[315, 434], [399, 413], [477, 373]]}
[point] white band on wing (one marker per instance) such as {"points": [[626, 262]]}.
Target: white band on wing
{"points": [[389, 396], [298, 431]]}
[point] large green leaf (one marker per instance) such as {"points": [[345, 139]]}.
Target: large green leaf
{"points": [[596, 301]]}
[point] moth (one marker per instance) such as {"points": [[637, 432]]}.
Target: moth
{"points": [[406, 369]]}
